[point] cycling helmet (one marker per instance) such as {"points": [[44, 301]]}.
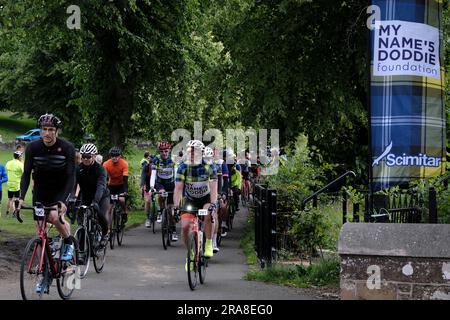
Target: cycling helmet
{"points": [[49, 120], [163, 145], [17, 154], [115, 151], [88, 148], [195, 144], [208, 152]]}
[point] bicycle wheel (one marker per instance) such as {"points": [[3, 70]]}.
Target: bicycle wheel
{"points": [[192, 255], [202, 261], [219, 234], [120, 228], [30, 275], [112, 237], [231, 214], [69, 279], [165, 231], [99, 251], [84, 244], [153, 217]]}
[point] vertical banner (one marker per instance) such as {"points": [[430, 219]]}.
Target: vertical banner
{"points": [[407, 112]]}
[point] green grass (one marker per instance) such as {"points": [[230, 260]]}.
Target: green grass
{"points": [[323, 273], [247, 243], [11, 126]]}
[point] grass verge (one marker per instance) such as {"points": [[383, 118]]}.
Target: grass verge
{"points": [[323, 273]]}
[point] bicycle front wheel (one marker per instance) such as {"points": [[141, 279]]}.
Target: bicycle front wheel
{"points": [[192, 255], [31, 276], [99, 250], [114, 227], [85, 250], [165, 232], [69, 279], [202, 261], [120, 228]]}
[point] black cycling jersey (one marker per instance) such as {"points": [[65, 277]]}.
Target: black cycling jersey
{"points": [[53, 170], [92, 181]]}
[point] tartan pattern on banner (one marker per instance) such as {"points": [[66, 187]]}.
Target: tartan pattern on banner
{"points": [[407, 112]]}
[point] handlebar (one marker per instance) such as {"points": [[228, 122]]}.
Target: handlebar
{"points": [[37, 206]]}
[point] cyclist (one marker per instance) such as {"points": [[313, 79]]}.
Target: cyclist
{"points": [[14, 169], [245, 171], [51, 160], [222, 190], [145, 159], [196, 182], [146, 173], [236, 184], [117, 169], [163, 177], [208, 158], [91, 181]]}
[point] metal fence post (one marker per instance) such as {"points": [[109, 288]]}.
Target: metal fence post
{"points": [[272, 216], [344, 206]]}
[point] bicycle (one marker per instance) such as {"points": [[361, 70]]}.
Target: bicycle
{"points": [[166, 222], [41, 261], [117, 225], [152, 215], [245, 192], [89, 236], [196, 260], [231, 210]]}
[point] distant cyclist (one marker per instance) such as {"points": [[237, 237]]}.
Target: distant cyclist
{"points": [[163, 180], [91, 179], [117, 169], [51, 161]]}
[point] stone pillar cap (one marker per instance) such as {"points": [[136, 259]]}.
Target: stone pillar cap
{"points": [[395, 239]]}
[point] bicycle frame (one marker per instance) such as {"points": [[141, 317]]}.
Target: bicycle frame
{"points": [[45, 247]]}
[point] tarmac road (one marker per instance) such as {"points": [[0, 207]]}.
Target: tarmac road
{"points": [[142, 269]]}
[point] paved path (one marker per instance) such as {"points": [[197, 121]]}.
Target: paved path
{"points": [[142, 269]]}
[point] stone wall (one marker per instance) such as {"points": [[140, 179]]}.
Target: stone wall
{"points": [[395, 261]]}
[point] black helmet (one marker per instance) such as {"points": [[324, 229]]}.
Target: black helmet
{"points": [[49, 120], [115, 151]]}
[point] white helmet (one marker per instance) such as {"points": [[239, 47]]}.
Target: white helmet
{"points": [[88, 148], [208, 152], [196, 144]]}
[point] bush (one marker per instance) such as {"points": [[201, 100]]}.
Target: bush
{"points": [[309, 230]]}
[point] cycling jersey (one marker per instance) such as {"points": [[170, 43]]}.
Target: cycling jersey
{"points": [[196, 179], [14, 168], [222, 173], [53, 170], [165, 173], [3, 177], [236, 179], [116, 171], [92, 181]]}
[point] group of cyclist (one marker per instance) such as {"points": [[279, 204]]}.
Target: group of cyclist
{"points": [[199, 178]]}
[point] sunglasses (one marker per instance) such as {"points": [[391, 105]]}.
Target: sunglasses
{"points": [[86, 156]]}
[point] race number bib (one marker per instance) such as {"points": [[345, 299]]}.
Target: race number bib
{"points": [[202, 212], [165, 173], [39, 212], [197, 189]]}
